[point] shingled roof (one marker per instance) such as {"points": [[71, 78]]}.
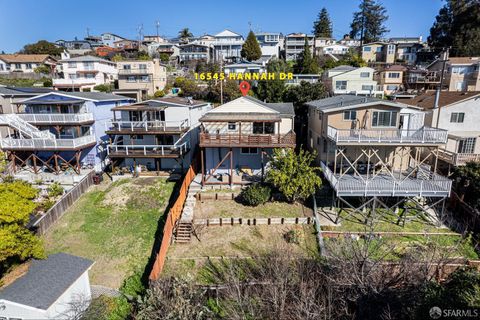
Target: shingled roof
{"points": [[46, 280], [427, 100], [25, 58]]}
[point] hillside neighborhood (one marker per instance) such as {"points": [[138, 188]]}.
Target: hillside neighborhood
{"points": [[244, 176]]}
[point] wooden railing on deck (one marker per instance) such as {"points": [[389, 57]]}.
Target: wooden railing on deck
{"points": [[172, 218], [236, 140]]}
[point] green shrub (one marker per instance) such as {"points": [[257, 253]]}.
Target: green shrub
{"points": [[159, 94], [47, 204], [293, 236], [256, 194], [55, 190], [133, 286]]}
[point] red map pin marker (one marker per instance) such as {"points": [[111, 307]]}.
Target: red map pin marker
{"points": [[244, 87]]}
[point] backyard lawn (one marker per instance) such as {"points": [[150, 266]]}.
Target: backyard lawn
{"points": [[233, 209], [217, 242], [114, 225]]}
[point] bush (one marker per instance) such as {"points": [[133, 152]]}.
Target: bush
{"points": [[256, 194], [159, 94], [47, 204], [293, 236], [103, 88], [55, 190]]}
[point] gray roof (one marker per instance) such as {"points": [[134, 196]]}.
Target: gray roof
{"points": [[99, 96], [284, 108], [342, 101], [22, 91], [343, 68], [46, 280], [86, 59]]}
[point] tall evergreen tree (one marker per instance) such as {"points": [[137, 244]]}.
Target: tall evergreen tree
{"points": [[251, 49], [322, 27], [457, 25], [369, 23], [306, 63], [273, 90]]}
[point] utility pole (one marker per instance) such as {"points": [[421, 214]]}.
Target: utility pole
{"points": [[444, 56], [88, 32], [221, 81], [157, 25]]}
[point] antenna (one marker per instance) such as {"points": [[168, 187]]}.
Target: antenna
{"points": [[88, 32], [157, 25]]}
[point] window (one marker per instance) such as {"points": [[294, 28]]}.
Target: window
{"points": [[249, 151], [340, 85], [89, 76], [145, 78], [131, 79], [392, 87], [18, 66], [142, 66], [457, 117], [28, 66], [364, 74], [72, 65], [232, 126], [139, 137], [379, 49], [466, 145], [350, 115], [367, 87], [127, 67], [1, 67], [72, 76], [88, 65], [394, 75], [462, 70], [318, 141], [384, 119], [320, 116], [263, 127], [367, 49], [1, 109], [325, 145]]}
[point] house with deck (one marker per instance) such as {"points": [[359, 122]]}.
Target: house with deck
{"points": [[84, 73], [237, 138], [350, 80], [377, 154], [458, 113], [160, 134], [58, 131]]}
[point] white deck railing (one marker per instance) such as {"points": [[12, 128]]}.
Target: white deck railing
{"points": [[56, 117], [422, 135], [148, 150], [431, 185], [46, 144], [457, 159], [147, 125]]}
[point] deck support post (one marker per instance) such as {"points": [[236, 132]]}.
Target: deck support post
{"points": [[202, 166], [231, 167]]}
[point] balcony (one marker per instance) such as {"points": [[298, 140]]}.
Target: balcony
{"points": [[424, 135], [424, 184], [248, 140], [148, 151], [47, 144], [376, 90], [146, 127], [134, 71], [457, 159], [54, 118]]}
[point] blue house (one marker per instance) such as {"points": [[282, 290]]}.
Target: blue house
{"points": [[59, 131]]}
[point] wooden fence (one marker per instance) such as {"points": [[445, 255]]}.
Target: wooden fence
{"points": [[54, 213], [252, 221], [172, 218]]}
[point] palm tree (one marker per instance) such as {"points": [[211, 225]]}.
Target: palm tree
{"points": [[185, 34]]}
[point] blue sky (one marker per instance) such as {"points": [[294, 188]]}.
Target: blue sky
{"points": [[26, 21]]}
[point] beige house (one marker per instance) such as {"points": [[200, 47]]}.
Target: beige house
{"points": [[462, 73], [237, 138], [146, 76], [390, 79], [379, 52], [351, 80], [371, 150]]}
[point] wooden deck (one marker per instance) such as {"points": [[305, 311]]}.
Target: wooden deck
{"points": [[248, 140]]}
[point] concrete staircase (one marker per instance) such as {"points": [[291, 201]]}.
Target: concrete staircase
{"points": [[25, 128], [183, 231]]}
